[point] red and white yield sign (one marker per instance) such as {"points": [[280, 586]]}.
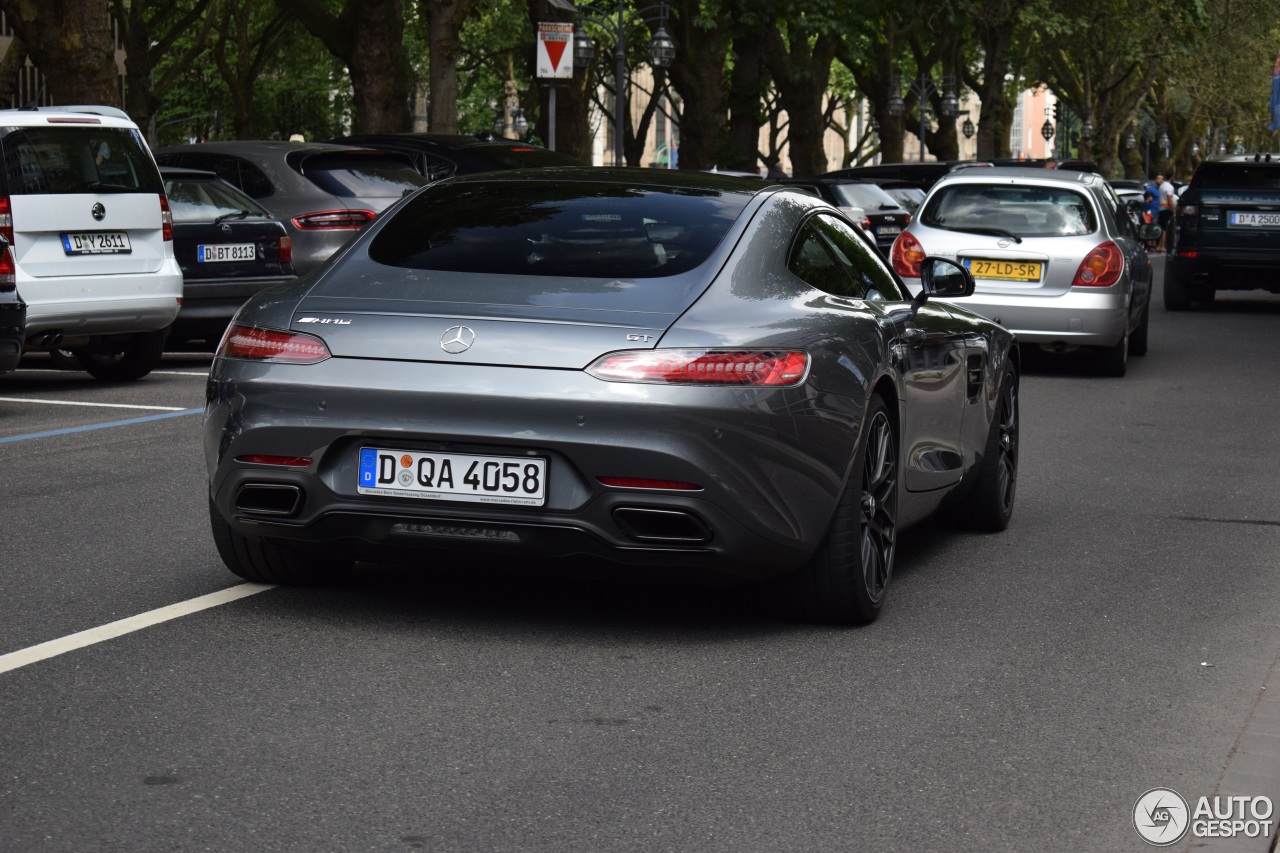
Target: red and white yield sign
{"points": [[554, 57]]}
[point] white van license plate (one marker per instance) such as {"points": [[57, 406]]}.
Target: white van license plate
{"points": [[96, 243], [216, 254], [521, 481]]}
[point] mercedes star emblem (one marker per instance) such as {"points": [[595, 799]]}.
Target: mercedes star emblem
{"points": [[99, 212], [457, 339]]}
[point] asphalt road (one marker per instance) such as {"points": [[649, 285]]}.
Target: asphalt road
{"points": [[1019, 692]]}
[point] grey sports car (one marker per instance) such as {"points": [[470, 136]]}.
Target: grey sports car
{"points": [[659, 368]]}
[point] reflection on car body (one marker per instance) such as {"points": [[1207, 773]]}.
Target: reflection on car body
{"points": [[667, 368]]}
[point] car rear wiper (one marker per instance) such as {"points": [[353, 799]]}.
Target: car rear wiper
{"points": [[100, 186], [994, 232], [239, 214]]}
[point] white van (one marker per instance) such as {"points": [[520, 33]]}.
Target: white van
{"points": [[83, 207]]}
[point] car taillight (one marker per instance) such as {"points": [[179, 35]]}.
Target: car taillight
{"points": [[702, 367], [1101, 267], [284, 461], [166, 219], [8, 271], [334, 220], [906, 255], [647, 483], [253, 344], [286, 250], [6, 219]]}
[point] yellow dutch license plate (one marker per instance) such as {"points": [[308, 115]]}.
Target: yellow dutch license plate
{"points": [[1004, 270]]}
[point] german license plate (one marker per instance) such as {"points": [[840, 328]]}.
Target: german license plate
{"points": [[1004, 270], [1250, 219], [520, 480], [888, 229], [231, 252], [96, 243]]}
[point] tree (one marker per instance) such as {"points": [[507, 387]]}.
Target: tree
{"points": [[367, 35], [444, 24], [249, 34], [71, 41], [150, 30], [798, 53], [702, 33]]}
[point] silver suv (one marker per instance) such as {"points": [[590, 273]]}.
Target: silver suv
{"points": [[82, 205]]}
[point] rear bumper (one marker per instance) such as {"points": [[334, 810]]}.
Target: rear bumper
{"points": [[1078, 317], [104, 304], [765, 499], [1226, 269], [216, 300]]}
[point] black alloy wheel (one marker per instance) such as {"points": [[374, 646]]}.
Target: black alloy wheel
{"points": [[990, 505], [845, 581]]}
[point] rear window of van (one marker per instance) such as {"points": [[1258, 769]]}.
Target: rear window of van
{"points": [[62, 159]]}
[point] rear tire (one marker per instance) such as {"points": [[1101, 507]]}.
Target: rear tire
{"points": [[261, 561], [845, 580], [132, 360], [1114, 361], [1138, 340], [1177, 295], [990, 504]]}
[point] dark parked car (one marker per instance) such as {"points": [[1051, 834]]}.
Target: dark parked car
{"points": [[908, 195], [13, 313], [923, 175], [650, 366], [228, 246], [322, 193], [1225, 233], [878, 213], [442, 155]]}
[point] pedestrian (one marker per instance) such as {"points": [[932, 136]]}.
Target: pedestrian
{"points": [[1150, 212], [773, 171], [1166, 210]]}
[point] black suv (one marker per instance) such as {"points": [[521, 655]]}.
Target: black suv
{"points": [[441, 155], [1225, 234]]}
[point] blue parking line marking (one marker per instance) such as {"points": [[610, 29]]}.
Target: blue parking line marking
{"points": [[90, 427]]}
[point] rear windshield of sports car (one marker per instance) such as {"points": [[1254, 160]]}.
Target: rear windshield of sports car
{"points": [[590, 230], [1024, 210], [77, 159]]}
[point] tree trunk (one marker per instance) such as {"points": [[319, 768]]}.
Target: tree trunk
{"points": [[70, 40], [444, 23], [746, 94], [800, 75], [697, 76], [368, 35]]}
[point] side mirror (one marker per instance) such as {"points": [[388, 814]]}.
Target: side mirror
{"points": [[945, 277]]}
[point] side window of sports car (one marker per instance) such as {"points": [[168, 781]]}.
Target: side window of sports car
{"points": [[871, 279], [811, 260]]}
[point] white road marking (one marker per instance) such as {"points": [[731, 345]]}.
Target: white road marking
{"points": [[180, 373], [96, 405], [111, 630]]}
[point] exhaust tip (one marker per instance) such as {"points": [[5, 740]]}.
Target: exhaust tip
{"points": [[279, 499], [672, 526]]}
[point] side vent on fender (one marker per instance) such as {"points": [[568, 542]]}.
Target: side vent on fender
{"points": [[973, 378]]}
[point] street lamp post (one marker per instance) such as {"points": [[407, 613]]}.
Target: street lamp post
{"points": [[662, 50], [924, 89]]}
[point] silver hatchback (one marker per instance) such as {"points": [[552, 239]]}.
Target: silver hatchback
{"points": [[1056, 257]]}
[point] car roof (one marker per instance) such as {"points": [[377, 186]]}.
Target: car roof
{"points": [[74, 114], [629, 177], [1014, 174], [246, 146], [191, 174]]}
